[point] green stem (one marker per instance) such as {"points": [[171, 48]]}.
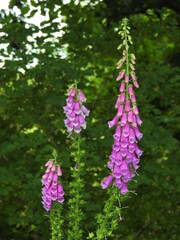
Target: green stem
{"points": [[108, 220], [56, 221], [76, 189], [127, 60]]}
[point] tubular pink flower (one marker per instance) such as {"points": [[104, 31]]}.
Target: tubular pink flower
{"points": [[134, 123], [130, 116], [117, 103], [127, 105], [50, 177], [110, 165], [81, 119], [70, 101], [122, 87], [124, 168], [118, 183], [53, 168], [107, 181], [77, 108], [81, 96], [123, 119], [55, 179], [85, 110], [120, 110], [139, 135], [116, 146], [132, 137], [124, 141], [59, 171], [77, 129], [117, 172], [131, 91], [138, 120], [113, 122], [133, 98], [131, 147], [125, 130], [60, 190], [112, 157], [122, 97], [118, 156], [126, 78], [138, 151], [48, 162], [135, 110], [124, 151], [117, 134], [124, 188]]}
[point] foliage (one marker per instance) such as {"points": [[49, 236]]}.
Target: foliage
{"points": [[32, 96]]}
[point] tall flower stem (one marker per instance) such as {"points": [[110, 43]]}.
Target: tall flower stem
{"points": [[56, 221], [111, 215], [76, 201]]}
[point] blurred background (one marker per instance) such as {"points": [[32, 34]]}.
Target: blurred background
{"points": [[44, 47]]}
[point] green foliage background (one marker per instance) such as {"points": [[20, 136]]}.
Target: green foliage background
{"points": [[31, 114]]}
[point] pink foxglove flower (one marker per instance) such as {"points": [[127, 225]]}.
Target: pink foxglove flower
{"points": [[75, 111], [52, 189], [125, 155]]}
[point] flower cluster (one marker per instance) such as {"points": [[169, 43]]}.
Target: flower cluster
{"points": [[125, 153], [52, 190], [75, 111]]}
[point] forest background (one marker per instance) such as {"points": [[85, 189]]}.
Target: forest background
{"points": [[78, 41]]}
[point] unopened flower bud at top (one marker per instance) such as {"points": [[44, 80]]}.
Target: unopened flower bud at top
{"points": [[136, 84], [72, 92], [119, 47], [131, 91], [133, 75], [133, 61], [119, 66], [124, 59], [132, 67], [121, 75]]}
